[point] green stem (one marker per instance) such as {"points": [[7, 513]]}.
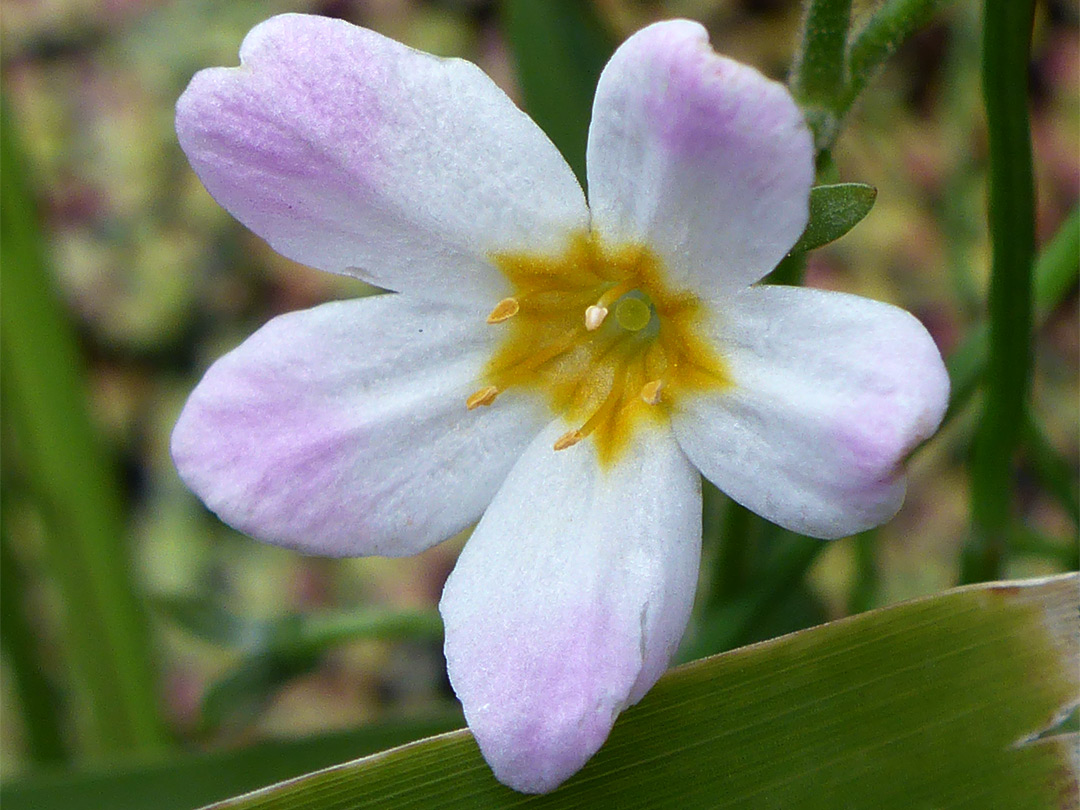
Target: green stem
{"points": [[1006, 47], [817, 77], [67, 474], [312, 633]]}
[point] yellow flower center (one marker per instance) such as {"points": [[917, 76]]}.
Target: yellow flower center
{"points": [[600, 333]]}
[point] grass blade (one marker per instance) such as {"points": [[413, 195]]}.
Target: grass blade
{"points": [[932, 703], [72, 484]]}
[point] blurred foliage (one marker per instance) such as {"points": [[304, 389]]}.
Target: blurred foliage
{"points": [[157, 281]]}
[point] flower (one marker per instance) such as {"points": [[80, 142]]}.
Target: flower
{"points": [[559, 371]]}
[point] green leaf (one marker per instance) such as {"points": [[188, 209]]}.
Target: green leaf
{"points": [[72, 484], [932, 703], [194, 780], [559, 48], [891, 23], [834, 210]]}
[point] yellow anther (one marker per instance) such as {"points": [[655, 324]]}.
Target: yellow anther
{"points": [[569, 439], [652, 391], [485, 396], [594, 317], [504, 311]]}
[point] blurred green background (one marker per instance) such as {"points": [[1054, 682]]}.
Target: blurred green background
{"points": [[156, 281]]}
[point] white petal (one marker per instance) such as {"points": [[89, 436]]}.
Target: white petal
{"points": [[342, 430], [701, 158], [352, 153], [569, 600], [831, 393]]}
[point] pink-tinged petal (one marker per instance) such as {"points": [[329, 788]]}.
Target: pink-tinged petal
{"points": [[342, 429], [569, 600], [701, 158], [831, 393], [352, 153]]}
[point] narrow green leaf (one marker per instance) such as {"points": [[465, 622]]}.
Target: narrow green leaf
{"points": [[1058, 266], [39, 700], [72, 483], [1006, 49], [933, 703], [1056, 473], [885, 31], [834, 210], [193, 780], [559, 48]]}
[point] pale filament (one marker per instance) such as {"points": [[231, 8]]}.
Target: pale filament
{"points": [[595, 315]]}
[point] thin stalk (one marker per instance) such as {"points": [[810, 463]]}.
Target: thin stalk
{"points": [[315, 632], [817, 76], [1006, 49], [818, 73]]}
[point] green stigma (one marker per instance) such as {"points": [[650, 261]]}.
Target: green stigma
{"points": [[633, 314]]}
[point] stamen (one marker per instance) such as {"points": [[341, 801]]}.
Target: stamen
{"points": [[616, 292], [485, 396], [569, 439], [652, 391], [504, 310], [600, 415], [595, 314], [594, 317], [523, 368]]}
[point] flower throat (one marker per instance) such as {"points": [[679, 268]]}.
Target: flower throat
{"points": [[599, 332]]}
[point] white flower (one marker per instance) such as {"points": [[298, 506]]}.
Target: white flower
{"points": [[558, 371]]}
